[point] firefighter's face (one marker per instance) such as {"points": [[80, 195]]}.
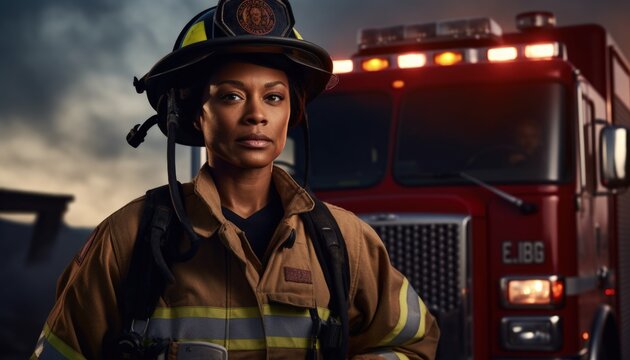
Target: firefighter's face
{"points": [[245, 115]]}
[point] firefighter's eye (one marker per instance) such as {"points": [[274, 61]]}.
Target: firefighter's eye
{"points": [[231, 97], [274, 98]]}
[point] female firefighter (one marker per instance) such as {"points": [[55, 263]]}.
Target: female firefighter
{"points": [[230, 264]]}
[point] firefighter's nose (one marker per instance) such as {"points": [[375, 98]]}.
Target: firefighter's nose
{"points": [[255, 114]]}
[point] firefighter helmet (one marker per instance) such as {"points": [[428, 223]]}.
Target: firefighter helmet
{"points": [[234, 27]]}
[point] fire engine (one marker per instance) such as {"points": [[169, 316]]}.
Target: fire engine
{"points": [[493, 166]]}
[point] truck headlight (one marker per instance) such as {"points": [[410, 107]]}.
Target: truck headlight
{"points": [[532, 292], [531, 333]]}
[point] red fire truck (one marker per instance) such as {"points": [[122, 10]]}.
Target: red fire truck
{"points": [[494, 167]]}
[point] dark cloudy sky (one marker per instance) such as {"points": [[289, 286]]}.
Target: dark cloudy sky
{"points": [[67, 102]]}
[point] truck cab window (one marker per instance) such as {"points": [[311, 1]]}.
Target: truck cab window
{"points": [[503, 133], [349, 134]]}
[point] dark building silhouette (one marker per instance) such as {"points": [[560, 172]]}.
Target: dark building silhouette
{"points": [[49, 210], [32, 256]]}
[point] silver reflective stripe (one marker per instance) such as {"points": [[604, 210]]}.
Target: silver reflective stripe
{"points": [[288, 326], [237, 328], [206, 328], [414, 316], [411, 318]]}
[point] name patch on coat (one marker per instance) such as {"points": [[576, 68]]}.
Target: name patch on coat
{"points": [[297, 275]]}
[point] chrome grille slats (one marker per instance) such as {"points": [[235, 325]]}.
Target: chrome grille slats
{"points": [[431, 250], [427, 255]]}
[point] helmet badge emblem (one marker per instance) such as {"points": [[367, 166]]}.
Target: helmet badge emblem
{"points": [[256, 17]]}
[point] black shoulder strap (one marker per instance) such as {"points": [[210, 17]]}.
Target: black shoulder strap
{"points": [[146, 280], [330, 248]]}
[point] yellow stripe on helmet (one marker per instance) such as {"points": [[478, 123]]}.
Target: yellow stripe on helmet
{"points": [[195, 34], [297, 34]]}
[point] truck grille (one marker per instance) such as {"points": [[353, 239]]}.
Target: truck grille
{"points": [[430, 251]]}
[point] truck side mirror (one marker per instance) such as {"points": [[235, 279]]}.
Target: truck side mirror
{"points": [[615, 165]]}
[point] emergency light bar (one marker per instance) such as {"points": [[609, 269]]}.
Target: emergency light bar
{"points": [[479, 28], [450, 57]]}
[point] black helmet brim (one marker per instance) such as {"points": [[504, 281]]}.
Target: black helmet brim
{"points": [[182, 67], [189, 66]]}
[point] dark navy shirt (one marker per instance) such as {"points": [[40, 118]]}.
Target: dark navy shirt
{"points": [[260, 226]]}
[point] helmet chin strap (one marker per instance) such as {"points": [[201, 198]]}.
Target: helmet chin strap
{"points": [[172, 125]]}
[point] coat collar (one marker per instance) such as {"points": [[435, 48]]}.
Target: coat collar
{"points": [[205, 210]]}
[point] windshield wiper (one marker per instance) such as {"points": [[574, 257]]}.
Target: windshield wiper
{"points": [[525, 208]]}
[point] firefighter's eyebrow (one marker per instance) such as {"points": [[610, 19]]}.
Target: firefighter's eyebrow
{"points": [[230, 82], [275, 83], [241, 84]]}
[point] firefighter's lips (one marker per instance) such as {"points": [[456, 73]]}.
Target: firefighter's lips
{"points": [[254, 141]]}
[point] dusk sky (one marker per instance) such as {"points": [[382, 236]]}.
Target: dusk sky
{"points": [[67, 66]]}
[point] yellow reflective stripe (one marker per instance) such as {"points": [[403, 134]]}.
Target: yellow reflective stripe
{"points": [[423, 322], [59, 345], [401, 356], [259, 344], [297, 34], [205, 312], [233, 344], [275, 310], [288, 342], [196, 33], [402, 318], [234, 313]]}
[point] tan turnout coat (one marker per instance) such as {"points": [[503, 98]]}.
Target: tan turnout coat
{"points": [[226, 295]]}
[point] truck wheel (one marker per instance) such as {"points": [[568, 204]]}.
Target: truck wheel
{"points": [[605, 337]]}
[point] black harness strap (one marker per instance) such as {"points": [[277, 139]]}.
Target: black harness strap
{"points": [[146, 280], [332, 254]]}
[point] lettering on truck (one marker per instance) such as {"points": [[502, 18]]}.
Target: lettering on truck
{"points": [[523, 252]]}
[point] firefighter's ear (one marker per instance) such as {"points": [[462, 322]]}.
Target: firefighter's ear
{"points": [[197, 119]]}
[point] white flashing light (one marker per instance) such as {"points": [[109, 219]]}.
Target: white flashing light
{"points": [[412, 60], [342, 66], [541, 51], [507, 53]]}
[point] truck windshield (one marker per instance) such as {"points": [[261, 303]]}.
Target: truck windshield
{"points": [[507, 133], [349, 136]]}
